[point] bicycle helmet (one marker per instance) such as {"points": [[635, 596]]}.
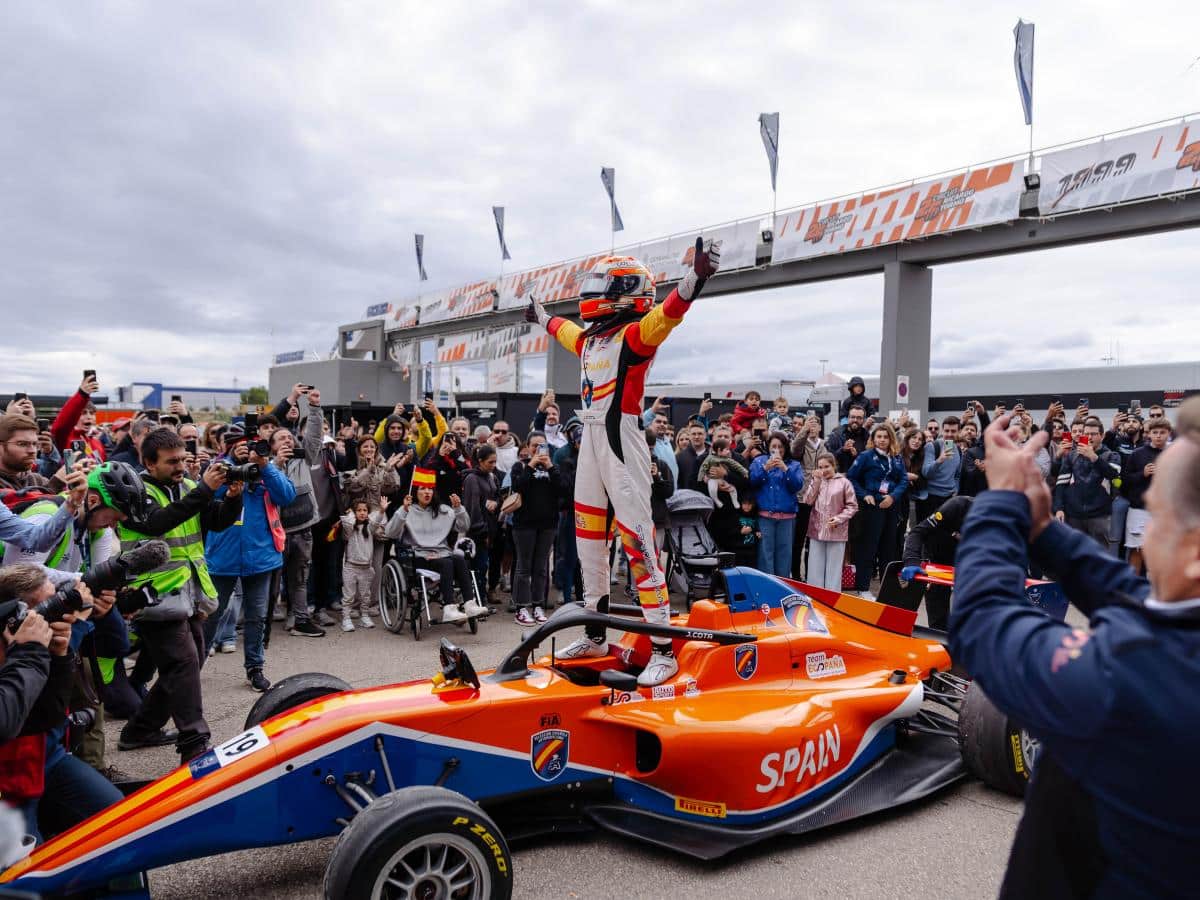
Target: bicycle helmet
{"points": [[119, 487]]}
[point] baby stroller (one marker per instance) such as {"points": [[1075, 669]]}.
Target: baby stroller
{"points": [[408, 588], [692, 554]]}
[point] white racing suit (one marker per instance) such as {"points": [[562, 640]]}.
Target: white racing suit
{"points": [[613, 473]]}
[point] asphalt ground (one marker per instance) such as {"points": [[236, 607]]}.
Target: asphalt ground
{"points": [[952, 845]]}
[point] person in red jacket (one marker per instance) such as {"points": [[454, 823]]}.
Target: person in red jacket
{"points": [[76, 420], [746, 413], [613, 471]]}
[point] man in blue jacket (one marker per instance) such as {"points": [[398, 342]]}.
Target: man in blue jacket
{"points": [[251, 551], [1111, 810]]}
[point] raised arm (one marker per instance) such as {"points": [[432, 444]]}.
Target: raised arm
{"points": [[654, 327]]}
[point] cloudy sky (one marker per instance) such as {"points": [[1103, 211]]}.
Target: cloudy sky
{"points": [[187, 189]]}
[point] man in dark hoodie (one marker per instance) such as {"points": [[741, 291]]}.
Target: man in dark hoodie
{"points": [[850, 440], [858, 397]]}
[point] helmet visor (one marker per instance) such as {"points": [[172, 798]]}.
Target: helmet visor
{"points": [[601, 284]]}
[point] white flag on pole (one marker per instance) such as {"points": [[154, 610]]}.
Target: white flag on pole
{"points": [[768, 127], [498, 215], [420, 242], [1023, 64], [609, 179]]}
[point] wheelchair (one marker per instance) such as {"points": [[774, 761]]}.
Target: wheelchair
{"points": [[408, 588]]}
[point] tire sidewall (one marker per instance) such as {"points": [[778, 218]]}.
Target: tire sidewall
{"points": [[291, 692], [355, 877]]}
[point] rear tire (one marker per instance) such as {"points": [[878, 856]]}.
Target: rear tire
{"points": [[293, 691], [420, 841], [996, 749]]}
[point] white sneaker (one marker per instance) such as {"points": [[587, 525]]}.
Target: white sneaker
{"points": [[659, 669], [347, 625], [539, 615], [867, 595], [473, 609], [453, 614], [583, 648], [289, 623], [365, 621]]}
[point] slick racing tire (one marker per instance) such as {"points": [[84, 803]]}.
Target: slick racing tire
{"points": [[293, 691], [420, 842], [995, 749]]}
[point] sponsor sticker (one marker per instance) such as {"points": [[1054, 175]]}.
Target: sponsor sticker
{"points": [[707, 808], [548, 752], [691, 688], [765, 609], [627, 697], [800, 614], [818, 665], [745, 660], [662, 692]]}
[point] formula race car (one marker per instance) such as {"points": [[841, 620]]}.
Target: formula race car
{"points": [[794, 708]]}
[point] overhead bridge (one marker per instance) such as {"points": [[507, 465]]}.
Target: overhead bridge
{"points": [[1145, 181]]}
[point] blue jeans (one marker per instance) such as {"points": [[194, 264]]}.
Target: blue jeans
{"points": [[227, 627], [255, 591], [775, 548], [74, 792]]}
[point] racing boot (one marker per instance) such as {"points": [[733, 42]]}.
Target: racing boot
{"points": [[662, 666], [594, 642]]}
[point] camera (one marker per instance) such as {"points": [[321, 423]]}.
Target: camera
{"points": [[82, 719], [247, 472], [68, 600]]}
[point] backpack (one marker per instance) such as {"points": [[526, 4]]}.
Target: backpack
{"points": [[20, 499]]}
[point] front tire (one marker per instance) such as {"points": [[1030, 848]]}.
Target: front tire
{"points": [[420, 842], [293, 691], [996, 749]]}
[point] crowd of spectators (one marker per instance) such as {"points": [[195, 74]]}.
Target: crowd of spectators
{"points": [[300, 536]]}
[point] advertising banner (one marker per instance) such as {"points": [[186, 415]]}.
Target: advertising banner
{"points": [[983, 196], [378, 311], [502, 373], [1164, 160], [671, 258], [403, 317]]}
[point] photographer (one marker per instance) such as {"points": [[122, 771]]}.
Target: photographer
{"points": [[251, 550], [87, 541], [298, 518], [1108, 811], [171, 630], [37, 775]]}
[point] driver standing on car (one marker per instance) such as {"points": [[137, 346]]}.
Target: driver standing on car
{"points": [[1111, 810], [612, 477]]}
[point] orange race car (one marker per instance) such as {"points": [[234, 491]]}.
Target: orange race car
{"points": [[794, 708]]}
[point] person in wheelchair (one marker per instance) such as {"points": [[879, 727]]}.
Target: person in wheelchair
{"points": [[425, 527]]}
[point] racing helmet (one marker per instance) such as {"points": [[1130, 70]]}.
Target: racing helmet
{"points": [[616, 284], [119, 487]]}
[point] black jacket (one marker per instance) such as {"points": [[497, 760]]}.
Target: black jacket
{"points": [[854, 400], [215, 515], [1134, 481], [935, 538], [971, 481], [539, 490], [837, 441], [689, 461], [478, 488], [23, 677]]}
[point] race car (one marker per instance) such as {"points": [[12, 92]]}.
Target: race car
{"points": [[794, 708]]}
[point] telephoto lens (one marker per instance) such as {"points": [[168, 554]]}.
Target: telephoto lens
{"points": [[82, 719], [68, 600], [246, 472]]}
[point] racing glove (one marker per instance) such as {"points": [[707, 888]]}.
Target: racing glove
{"points": [[908, 573], [535, 313], [705, 263]]}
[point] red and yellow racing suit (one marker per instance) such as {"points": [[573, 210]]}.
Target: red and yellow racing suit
{"points": [[614, 459]]}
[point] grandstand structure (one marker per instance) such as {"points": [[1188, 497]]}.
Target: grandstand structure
{"points": [[472, 338]]}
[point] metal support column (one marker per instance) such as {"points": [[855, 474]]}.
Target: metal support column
{"points": [[904, 351]]}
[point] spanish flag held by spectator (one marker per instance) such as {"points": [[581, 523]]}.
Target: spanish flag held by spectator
{"points": [[424, 478]]}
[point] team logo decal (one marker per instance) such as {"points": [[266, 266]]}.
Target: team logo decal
{"points": [[745, 660], [799, 612], [765, 609], [548, 751]]}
